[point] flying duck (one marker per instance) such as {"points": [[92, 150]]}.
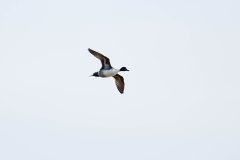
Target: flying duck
{"points": [[108, 71]]}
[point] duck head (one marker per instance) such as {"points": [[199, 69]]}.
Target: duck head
{"points": [[124, 69]]}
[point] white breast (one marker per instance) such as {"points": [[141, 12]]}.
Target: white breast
{"points": [[108, 73]]}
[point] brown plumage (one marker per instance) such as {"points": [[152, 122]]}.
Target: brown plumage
{"points": [[104, 60], [119, 80]]}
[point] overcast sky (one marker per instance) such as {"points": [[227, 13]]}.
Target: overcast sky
{"points": [[182, 95]]}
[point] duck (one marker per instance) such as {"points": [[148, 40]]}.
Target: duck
{"points": [[108, 71]]}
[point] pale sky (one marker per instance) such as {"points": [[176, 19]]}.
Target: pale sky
{"points": [[182, 95]]}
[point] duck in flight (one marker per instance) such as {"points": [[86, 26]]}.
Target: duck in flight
{"points": [[108, 71]]}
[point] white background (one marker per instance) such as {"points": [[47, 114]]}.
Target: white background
{"points": [[182, 93]]}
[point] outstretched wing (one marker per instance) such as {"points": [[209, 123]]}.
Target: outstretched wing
{"points": [[104, 60], [119, 80]]}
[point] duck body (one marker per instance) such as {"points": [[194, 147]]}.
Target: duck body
{"points": [[104, 73]]}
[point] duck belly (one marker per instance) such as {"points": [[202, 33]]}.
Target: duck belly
{"points": [[108, 73]]}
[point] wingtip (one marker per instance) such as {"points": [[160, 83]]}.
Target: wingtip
{"points": [[91, 50]]}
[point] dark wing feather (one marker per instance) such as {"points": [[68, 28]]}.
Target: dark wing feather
{"points": [[119, 80], [104, 60]]}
